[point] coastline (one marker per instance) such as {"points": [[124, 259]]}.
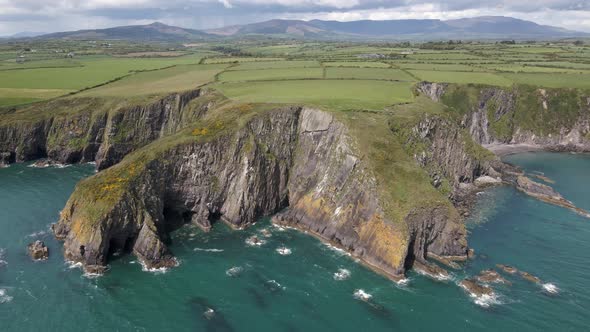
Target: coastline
{"points": [[501, 150]]}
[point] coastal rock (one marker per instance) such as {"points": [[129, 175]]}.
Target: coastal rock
{"points": [[507, 268], [296, 158], [103, 136], [547, 194], [486, 180], [475, 289], [490, 276], [530, 277], [38, 251], [432, 271]]}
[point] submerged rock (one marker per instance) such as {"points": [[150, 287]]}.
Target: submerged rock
{"points": [[507, 268], [431, 270], [530, 277], [547, 194], [38, 251], [475, 289], [491, 276]]}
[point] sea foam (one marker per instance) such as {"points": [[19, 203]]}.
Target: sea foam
{"points": [[360, 294], [208, 249], [4, 297], [284, 251], [342, 274], [550, 288], [234, 271]]}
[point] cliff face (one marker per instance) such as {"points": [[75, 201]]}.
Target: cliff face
{"points": [[300, 159], [87, 134], [554, 119]]}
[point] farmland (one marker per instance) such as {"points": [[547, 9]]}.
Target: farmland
{"points": [[321, 73]]}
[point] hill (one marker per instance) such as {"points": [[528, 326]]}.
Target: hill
{"points": [[152, 32]]}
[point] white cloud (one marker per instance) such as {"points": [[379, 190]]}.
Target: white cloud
{"points": [[226, 3]]}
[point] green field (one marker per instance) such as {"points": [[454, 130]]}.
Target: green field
{"points": [[254, 65], [178, 78], [461, 77], [340, 94], [271, 74], [368, 74], [361, 64], [554, 80]]}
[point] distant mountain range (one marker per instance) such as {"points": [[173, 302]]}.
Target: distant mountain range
{"points": [[484, 27], [492, 27]]}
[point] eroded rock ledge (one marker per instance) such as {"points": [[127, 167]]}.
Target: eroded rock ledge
{"points": [[90, 130], [299, 159]]}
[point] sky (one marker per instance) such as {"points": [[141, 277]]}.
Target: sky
{"points": [[65, 15]]}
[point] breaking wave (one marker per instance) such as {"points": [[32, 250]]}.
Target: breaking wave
{"points": [[159, 270], [4, 298], [336, 249], [284, 251], [254, 241], [550, 288], [208, 249], [342, 274], [234, 271], [360, 294]]}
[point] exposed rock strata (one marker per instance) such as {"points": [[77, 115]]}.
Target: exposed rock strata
{"points": [[104, 137], [38, 251], [299, 159]]}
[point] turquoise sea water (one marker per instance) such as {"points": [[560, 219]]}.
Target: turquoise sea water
{"points": [[267, 291]]}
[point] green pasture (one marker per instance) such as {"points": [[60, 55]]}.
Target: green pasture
{"points": [[368, 74]]}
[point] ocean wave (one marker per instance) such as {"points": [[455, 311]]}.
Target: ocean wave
{"points": [[275, 285], [48, 165], [2, 261], [284, 251], [208, 249], [360, 294], [159, 270], [254, 241], [74, 265], [403, 282], [336, 249], [342, 274], [437, 276], [234, 271], [550, 288], [4, 297], [37, 234], [483, 300]]}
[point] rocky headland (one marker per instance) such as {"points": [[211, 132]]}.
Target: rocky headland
{"points": [[391, 190]]}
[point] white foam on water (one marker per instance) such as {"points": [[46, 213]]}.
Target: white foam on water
{"points": [[160, 270], [336, 249], [254, 241], [438, 276], [73, 265], [484, 300], [89, 275], [208, 249], [4, 297], [209, 313], [234, 271], [550, 288], [403, 282], [275, 284], [36, 234], [342, 274], [360, 294], [284, 251], [2, 261]]}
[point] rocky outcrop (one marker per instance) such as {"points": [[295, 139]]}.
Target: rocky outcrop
{"points": [[299, 159], [75, 131], [38, 251], [551, 119], [547, 194], [432, 90]]}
